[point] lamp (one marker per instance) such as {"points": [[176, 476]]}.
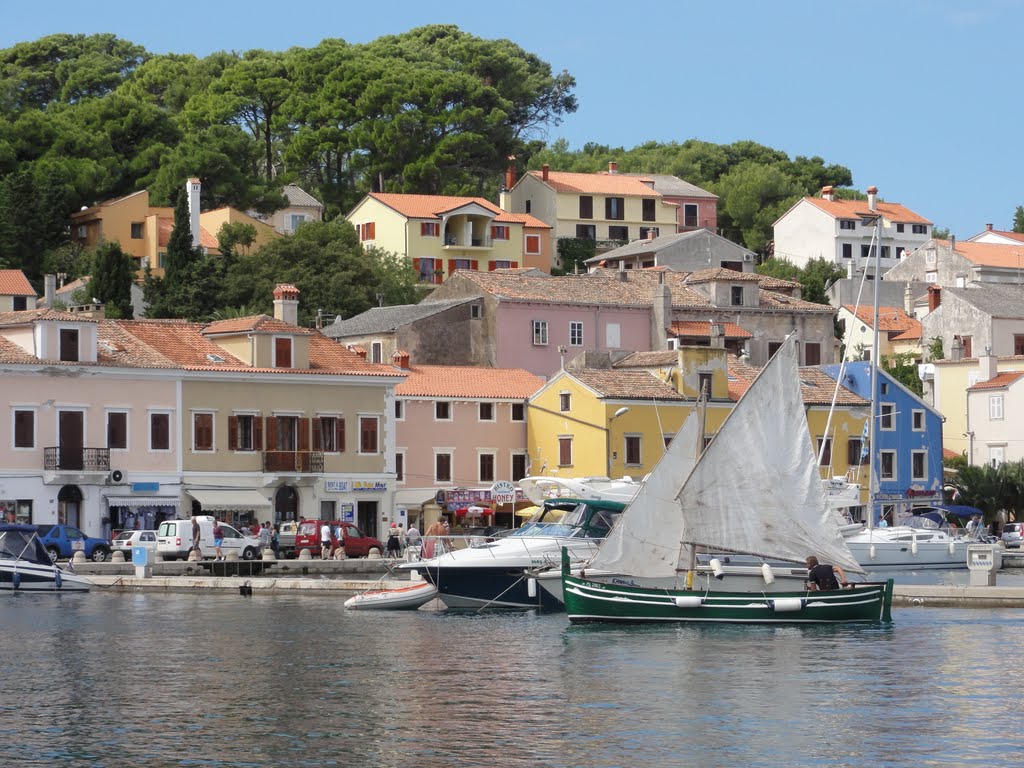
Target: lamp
{"points": [[608, 436]]}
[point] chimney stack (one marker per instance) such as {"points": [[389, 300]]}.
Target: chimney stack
{"points": [[401, 359], [908, 300], [872, 197], [952, 242], [510, 172], [286, 303], [192, 189], [934, 297], [988, 227], [544, 170], [49, 290], [613, 167], [826, 193], [988, 365], [360, 351], [622, 272]]}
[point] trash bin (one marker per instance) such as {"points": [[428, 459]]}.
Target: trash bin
{"points": [[983, 560]]}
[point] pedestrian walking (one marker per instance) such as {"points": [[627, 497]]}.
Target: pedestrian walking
{"points": [[218, 540], [196, 534], [325, 541], [394, 542]]}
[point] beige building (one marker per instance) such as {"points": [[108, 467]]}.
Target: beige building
{"points": [[995, 414], [16, 292]]}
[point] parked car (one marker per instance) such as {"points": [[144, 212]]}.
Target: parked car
{"points": [[62, 541], [1013, 534], [357, 543], [174, 539], [125, 540], [286, 538]]}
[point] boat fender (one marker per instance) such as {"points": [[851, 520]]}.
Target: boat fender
{"points": [[531, 587], [766, 571], [952, 547], [716, 568], [689, 601], [57, 581], [786, 604], [16, 580], [913, 546], [871, 552]]}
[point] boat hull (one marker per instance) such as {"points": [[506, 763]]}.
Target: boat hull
{"points": [[39, 577], [487, 587], [404, 598], [893, 555], [588, 601]]}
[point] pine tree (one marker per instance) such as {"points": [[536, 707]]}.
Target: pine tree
{"points": [[112, 280], [1018, 219]]}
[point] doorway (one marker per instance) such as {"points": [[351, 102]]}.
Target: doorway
{"points": [[69, 506], [70, 438], [286, 504], [366, 516]]}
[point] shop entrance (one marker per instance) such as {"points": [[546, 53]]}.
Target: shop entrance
{"points": [[286, 504], [366, 517], [69, 506]]}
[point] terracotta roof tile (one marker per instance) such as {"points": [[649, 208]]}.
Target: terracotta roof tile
{"points": [[950, 454], [468, 381], [14, 283], [166, 226], [890, 319], [721, 273], [255, 324], [656, 359], [999, 381], [816, 386], [433, 206], [31, 315], [625, 384], [854, 209], [702, 328], [1018, 236], [598, 183], [12, 353], [990, 254]]}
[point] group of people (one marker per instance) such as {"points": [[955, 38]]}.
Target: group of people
{"points": [[265, 533]]}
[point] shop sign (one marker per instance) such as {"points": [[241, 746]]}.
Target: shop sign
{"points": [[347, 513], [145, 487], [503, 492], [370, 485], [466, 497], [336, 486]]}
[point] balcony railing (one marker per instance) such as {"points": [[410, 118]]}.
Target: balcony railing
{"points": [[451, 241], [304, 462], [63, 459]]}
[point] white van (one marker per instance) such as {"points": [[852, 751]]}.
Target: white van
{"points": [[174, 540]]}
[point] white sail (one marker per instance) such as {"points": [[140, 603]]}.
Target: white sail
{"points": [[756, 488], [645, 541]]}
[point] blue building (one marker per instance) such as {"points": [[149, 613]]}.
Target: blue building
{"points": [[907, 455]]}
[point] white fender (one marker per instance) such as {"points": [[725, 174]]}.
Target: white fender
{"points": [[766, 572], [689, 601], [531, 587], [716, 568]]}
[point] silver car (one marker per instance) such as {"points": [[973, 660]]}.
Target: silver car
{"points": [[125, 540], [1013, 533]]}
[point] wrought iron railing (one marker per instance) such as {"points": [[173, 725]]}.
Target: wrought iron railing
{"points": [[64, 459], [305, 462]]}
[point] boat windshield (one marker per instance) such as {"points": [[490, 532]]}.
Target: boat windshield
{"points": [[22, 545], [922, 522], [582, 520]]}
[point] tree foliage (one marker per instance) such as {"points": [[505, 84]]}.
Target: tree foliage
{"points": [[1018, 219], [990, 489], [113, 273], [814, 277]]}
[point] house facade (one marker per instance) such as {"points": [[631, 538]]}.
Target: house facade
{"points": [[898, 332], [442, 235], [952, 264], [696, 208], [301, 207], [981, 318], [16, 292], [995, 412], [841, 231], [997, 236], [689, 251]]}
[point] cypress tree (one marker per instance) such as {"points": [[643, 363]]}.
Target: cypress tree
{"points": [[112, 280]]}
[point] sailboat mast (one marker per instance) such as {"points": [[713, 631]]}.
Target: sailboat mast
{"points": [[874, 251], [691, 569]]}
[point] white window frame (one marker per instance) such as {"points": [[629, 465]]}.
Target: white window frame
{"points": [[884, 415], [931, 276], [613, 336], [213, 430], [35, 426], [995, 407], [451, 410], [252, 415], [924, 465], [996, 455], [169, 413], [914, 415], [127, 428], [376, 352], [512, 413], [564, 401], [881, 465], [512, 463], [480, 453], [450, 453], [494, 412], [575, 333], [540, 333], [526, 245]]}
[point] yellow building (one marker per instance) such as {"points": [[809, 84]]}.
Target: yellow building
{"points": [[444, 234]]}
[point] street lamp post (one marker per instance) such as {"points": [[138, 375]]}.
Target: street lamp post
{"points": [[608, 436]]}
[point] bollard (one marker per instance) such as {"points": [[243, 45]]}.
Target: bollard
{"points": [[117, 557], [305, 554], [231, 556], [268, 554], [193, 556], [374, 554], [79, 557]]}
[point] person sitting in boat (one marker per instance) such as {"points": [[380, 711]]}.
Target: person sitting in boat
{"points": [[822, 577]]}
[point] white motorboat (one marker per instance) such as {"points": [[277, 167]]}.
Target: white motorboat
{"points": [[920, 541], [539, 488], [25, 565], [402, 598]]}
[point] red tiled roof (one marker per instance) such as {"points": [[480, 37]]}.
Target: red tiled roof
{"points": [[166, 226], [1018, 236], [12, 353], [950, 454], [625, 384], [702, 328], [999, 381], [911, 334], [468, 381], [854, 209], [721, 273], [14, 283], [254, 324], [990, 254], [433, 206], [597, 183], [31, 315], [889, 318], [658, 358], [816, 386]]}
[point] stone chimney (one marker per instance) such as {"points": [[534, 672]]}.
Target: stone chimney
{"points": [[544, 171], [716, 333], [95, 311], [908, 300], [49, 290], [401, 359], [956, 350], [661, 315], [952, 242], [361, 351], [872, 197], [613, 167], [192, 189], [988, 365], [826, 193], [623, 277], [286, 303], [988, 227], [934, 297]]}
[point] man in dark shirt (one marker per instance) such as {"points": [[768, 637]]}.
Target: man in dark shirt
{"points": [[823, 577]]}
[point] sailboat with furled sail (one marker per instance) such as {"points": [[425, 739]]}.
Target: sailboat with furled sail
{"points": [[754, 490]]}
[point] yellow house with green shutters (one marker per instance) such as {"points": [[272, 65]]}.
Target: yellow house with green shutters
{"points": [[614, 422]]}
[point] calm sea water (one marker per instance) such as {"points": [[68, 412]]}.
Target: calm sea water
{"points": [[200, 680]]}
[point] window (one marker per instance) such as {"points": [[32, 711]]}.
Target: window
{"points": [[930, 256], [917, 420], [474, 311], [540, 333], [847, 251], [899, 228], [376, 352], [618, 233], [531, 245], [575, 334], [885, 251], [812, 353], [826, 454], [919, 465], [856, 452], [159, 431], [647, 209], [487, 412], [996, 455], [430, 229], [161, 260], [773, 347], [919, 229], [887, 416], [502, 264], [368, 231], [995, 407], [847, 223], [529, 206], [24, 429], [245, 433], [518, 412], [137, 230], [519, 464], [647, 233], [430, 270], [69, 344], [888, 461], [442, 411], [586, 207], [867, 251], [586, 232], [487, 468], [202, 431], [329, 434], [612, 335], [462, 264], [565, 451], [399, 410], [117, 430], [633, 450], [931, 277], [282, 351], [614, 208], [1018, 344], [287, 429], [500, 232], [690, 215], [368, 430], [884, 388], [295, 220], [400, 466], [443, 467], [565, 402], [736, 292]]}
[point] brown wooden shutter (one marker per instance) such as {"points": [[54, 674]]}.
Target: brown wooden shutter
{"points": [[303, 429], [438, 271], [318, 443], [271, 433], [515, 265], [257, 433], [340, 427], [232, 433], [490, 265], [474, 264]]}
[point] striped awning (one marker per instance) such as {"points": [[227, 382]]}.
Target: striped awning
{"points": [[236, 499], [142, 501]]}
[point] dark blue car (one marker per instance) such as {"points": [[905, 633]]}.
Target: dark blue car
{"points": [[62, 541]]}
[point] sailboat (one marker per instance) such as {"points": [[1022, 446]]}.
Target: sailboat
{"points": [[755, 490]]}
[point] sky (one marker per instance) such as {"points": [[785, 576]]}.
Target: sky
{"points": [[916, 97]]}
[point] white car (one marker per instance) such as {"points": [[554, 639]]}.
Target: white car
{"points": [[125, 540]]}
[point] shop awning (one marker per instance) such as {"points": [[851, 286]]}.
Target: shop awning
{"points": [[142, 501], [412, 497], [238, 499]]}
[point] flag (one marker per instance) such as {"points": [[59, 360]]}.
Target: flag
{"points": [[864, 441]]}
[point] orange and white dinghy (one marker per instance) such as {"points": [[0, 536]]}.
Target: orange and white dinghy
{"points": [[403, 598]]}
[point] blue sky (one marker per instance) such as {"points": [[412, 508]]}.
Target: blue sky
{"points": [[918, 97]]}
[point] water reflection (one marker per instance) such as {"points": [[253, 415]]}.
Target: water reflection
{"points": [[153, 679]]}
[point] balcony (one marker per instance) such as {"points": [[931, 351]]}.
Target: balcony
{"points": [[288, 462], [64, 459], [453, 241]]}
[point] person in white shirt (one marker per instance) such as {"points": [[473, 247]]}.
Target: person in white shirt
{"points": [[325, 541]]}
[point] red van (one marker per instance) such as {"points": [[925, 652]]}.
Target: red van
{"points": [[357, 544]]}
